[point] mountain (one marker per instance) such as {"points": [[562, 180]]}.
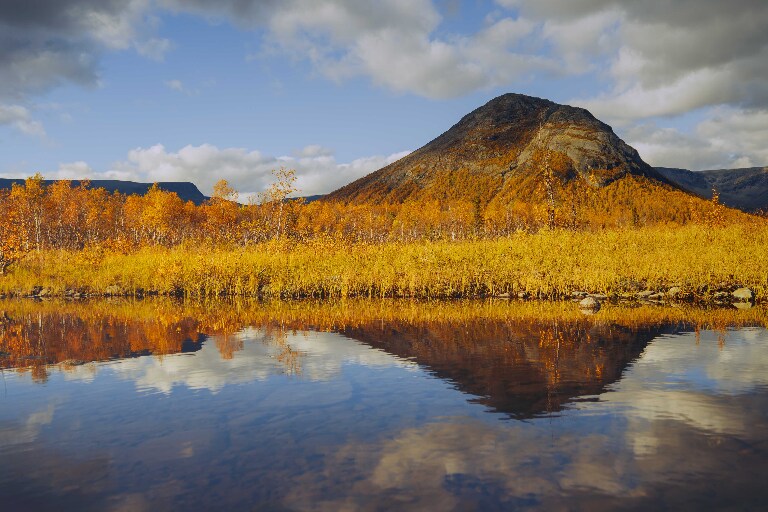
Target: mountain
{"points": [[745, 189], [185, 190], [499, 151]]}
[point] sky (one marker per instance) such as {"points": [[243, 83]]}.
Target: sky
{"points": [[195, 90]]}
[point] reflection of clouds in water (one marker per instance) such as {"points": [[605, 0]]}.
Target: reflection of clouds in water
{"points": [[320, 357], [736, 367], [690, 382], [515, 461], [698, 410], [665, 430], [669, 420], [27, 432]]}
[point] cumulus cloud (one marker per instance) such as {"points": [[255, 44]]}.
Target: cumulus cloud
{"points": [[659, 58], [154, 48], [179, 86], [648, 59], [46, 44], [20, 118], [396, 43], [729, 138], [667, 58], [250, 172], [73, 171], [663, 59]]}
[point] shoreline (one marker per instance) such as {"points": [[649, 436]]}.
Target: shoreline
{"points": [[721, 298], [691, 264]]}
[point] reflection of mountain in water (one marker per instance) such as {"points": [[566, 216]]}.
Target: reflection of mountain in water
{"points": [[516, 359], [522, 369]]}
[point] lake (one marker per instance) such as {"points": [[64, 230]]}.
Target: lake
{"points": [[381, 405]]}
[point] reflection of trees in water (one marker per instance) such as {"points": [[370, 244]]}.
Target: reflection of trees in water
{"points": [[519, 358], [36, 335], [34, 339], [289, 357]]}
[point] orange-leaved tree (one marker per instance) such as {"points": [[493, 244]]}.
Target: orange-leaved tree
{"points": [[13, 242]]}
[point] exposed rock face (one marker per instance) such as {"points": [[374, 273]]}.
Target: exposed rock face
{"points": [[501, 142], [745, 189]]}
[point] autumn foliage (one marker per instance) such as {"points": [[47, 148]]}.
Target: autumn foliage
{"points": [[548, 239], [36, 217]]}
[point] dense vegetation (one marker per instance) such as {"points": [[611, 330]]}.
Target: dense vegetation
{"points": [[633, 233]]}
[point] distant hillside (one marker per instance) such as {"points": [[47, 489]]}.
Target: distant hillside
{"points": [[745, 189], [497, 153], [185, 190]]}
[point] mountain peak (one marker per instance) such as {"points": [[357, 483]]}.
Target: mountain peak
{"points": [[511, 138]]}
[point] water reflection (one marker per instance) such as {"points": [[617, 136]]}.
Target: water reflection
{"points": [[361, 406], [519, 359], [519, 367]]}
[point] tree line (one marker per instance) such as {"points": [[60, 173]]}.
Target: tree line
{"points": [[36, 217]]}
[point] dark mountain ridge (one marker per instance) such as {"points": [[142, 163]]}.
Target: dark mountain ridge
{"points": [[745, 189], [185, 190]]}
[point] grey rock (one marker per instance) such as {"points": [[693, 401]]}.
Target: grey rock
{"points": [[742, 305], [673, 292], [743, 295], [644, 294], [72, 362], [112, 290], [656, 296], [590, 304]]}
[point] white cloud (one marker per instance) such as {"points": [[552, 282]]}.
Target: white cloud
{"points": [[20, 118], [44, 44], [250, 172], [178, 86], [396, 43], [175, 85], [662, 59], [648, 59], [73, 171], [728, 138], [154, 48]]}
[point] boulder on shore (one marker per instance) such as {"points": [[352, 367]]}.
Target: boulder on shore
{"points": [[112, 290], [589, 305], [743, 295]]}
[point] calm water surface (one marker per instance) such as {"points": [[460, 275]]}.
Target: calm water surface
{"points": [[161, 412]]}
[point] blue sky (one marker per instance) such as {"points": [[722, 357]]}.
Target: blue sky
{"points": [[170, 90]]}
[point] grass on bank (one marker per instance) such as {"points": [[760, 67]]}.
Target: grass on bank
{"points": [[698, 259]]}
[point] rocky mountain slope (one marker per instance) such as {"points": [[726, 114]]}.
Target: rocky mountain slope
{"points": [[745, 189], [501, 149], [185, 190]]}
